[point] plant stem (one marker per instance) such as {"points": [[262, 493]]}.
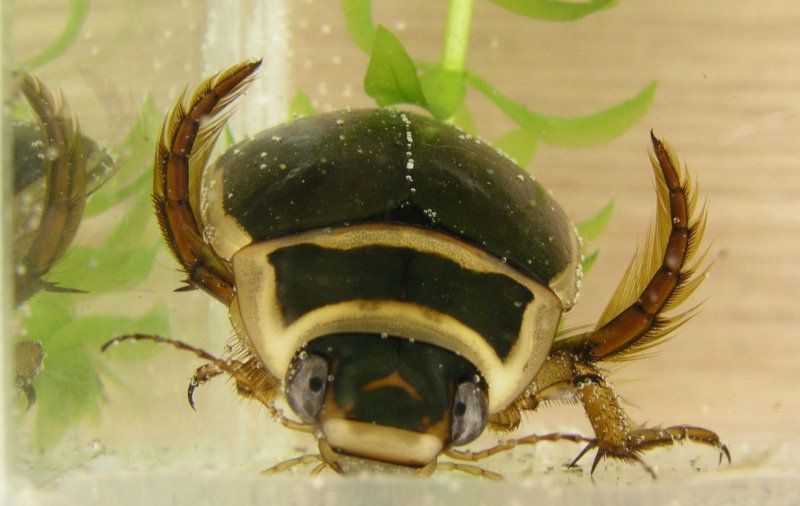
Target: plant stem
{"points": [[456, 35]]}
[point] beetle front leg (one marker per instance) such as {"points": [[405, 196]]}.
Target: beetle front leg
{"points": [[201, 376], [251, 380]]}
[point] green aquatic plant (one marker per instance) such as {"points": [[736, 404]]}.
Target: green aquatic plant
{"points": [[69, 387], [393, 78], [78, 11]]}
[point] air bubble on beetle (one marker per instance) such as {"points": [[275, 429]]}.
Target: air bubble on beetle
{"points": [[384, 335], [276, 138], [52, 153], [340, 122]]}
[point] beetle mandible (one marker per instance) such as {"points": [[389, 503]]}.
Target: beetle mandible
{"points": [[401, 283]]}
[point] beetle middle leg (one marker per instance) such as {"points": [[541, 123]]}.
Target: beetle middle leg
{"points": [[510, 444]]}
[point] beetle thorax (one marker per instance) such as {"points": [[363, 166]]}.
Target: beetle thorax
{"points": [[395, 280]]}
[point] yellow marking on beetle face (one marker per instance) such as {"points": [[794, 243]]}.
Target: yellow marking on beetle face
{"points": [[393, 380]]}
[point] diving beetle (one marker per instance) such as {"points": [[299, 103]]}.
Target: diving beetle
{"points": [[401, 283]]}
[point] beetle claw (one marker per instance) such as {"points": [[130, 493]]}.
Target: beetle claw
{"points": [[188, 287], [190, 394]]}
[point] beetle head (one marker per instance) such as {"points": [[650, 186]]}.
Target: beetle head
{"points": [[386, 399]]}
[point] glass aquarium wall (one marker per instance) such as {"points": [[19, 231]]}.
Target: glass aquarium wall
{"points": [[569, 91]]}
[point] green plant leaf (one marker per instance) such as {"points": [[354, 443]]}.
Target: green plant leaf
{"points": [[581, 131], [47, 313], [69, 387], [358, 19], [520, 145], [300, 106], [464, 120], [591, 228], [135, 159], [588, 261], [78, 10], [227, 136], [553, 10], [391, 75], [444, 91]]}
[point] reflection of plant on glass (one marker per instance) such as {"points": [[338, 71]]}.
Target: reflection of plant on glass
{"points": [[69, 387], [78, 10], [64, 329], [393, 77]]}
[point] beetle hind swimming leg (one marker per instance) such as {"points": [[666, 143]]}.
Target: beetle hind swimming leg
{"points": [[659, 279], [64, 196], [183, 149]]}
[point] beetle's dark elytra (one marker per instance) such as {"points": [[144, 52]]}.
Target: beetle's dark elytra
{"points": [[359, 166]]}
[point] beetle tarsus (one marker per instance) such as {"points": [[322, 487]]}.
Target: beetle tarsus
{"points": [[202, 375]]}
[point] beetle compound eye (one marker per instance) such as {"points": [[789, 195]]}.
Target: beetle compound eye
{"points": [[470, 413], [306, 384]]}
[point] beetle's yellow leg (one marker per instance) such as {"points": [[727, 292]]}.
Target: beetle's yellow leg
{"points": [[566, 378], [297, 461], [183, 148], [260, 390], [469, 469], [320, 467], [513, 443], [202, 375]]}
